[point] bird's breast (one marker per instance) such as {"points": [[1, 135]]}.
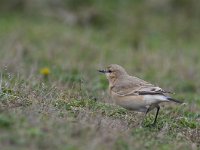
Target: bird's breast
{"points": [[130, 102]]}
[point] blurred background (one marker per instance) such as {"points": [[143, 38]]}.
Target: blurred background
{"points": [[152, 39], [50, 51]]}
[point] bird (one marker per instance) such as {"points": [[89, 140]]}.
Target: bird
{"points": [[133, 93]]}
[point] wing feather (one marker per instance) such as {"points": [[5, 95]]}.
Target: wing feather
{"points": [[135, 86]]}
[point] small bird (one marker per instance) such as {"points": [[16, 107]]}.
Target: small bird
{"points": [[133, 93]]}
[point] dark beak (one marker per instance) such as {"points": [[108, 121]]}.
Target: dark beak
{"points": [[103, 71]]}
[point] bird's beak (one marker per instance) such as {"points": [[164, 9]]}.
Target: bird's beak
{"points": [[103, 71]]}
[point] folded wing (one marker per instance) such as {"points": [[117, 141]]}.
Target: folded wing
{"points": [[136, 86]]}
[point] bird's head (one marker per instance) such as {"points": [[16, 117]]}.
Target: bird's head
{"points": [[113, 72]]}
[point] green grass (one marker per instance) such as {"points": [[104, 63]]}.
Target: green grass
{"points": [[70, 109]]}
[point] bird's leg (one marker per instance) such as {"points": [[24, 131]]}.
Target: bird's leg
{"points": [[158, 108], [148, 109]]}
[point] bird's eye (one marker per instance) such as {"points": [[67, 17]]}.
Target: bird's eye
{"points": [[109, 71]]}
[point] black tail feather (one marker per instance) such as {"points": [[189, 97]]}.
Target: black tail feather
{"points": [[174, 100]]}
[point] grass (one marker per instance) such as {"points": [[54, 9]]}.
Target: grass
{"points": [[69, 108]]}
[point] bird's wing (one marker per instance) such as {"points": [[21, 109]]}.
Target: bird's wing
{"points": [[136, 86]]}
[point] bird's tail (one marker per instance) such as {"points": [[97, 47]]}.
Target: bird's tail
{"points": [[174, 100]]}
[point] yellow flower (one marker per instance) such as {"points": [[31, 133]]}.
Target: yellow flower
{"points": [[45, 71]]}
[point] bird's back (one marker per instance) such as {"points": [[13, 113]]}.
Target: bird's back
{"points": [[128, 84]]}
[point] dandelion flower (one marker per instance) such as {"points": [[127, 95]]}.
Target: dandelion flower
{"points": [[45, 71]]}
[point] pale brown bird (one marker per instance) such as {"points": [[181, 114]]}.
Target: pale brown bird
{"points": [[133, 93]]}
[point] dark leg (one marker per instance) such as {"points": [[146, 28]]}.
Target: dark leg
{"points": [[148, 109], [158, 108]]}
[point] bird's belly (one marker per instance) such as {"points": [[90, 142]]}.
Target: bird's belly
{"points": [[136, 103]]}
